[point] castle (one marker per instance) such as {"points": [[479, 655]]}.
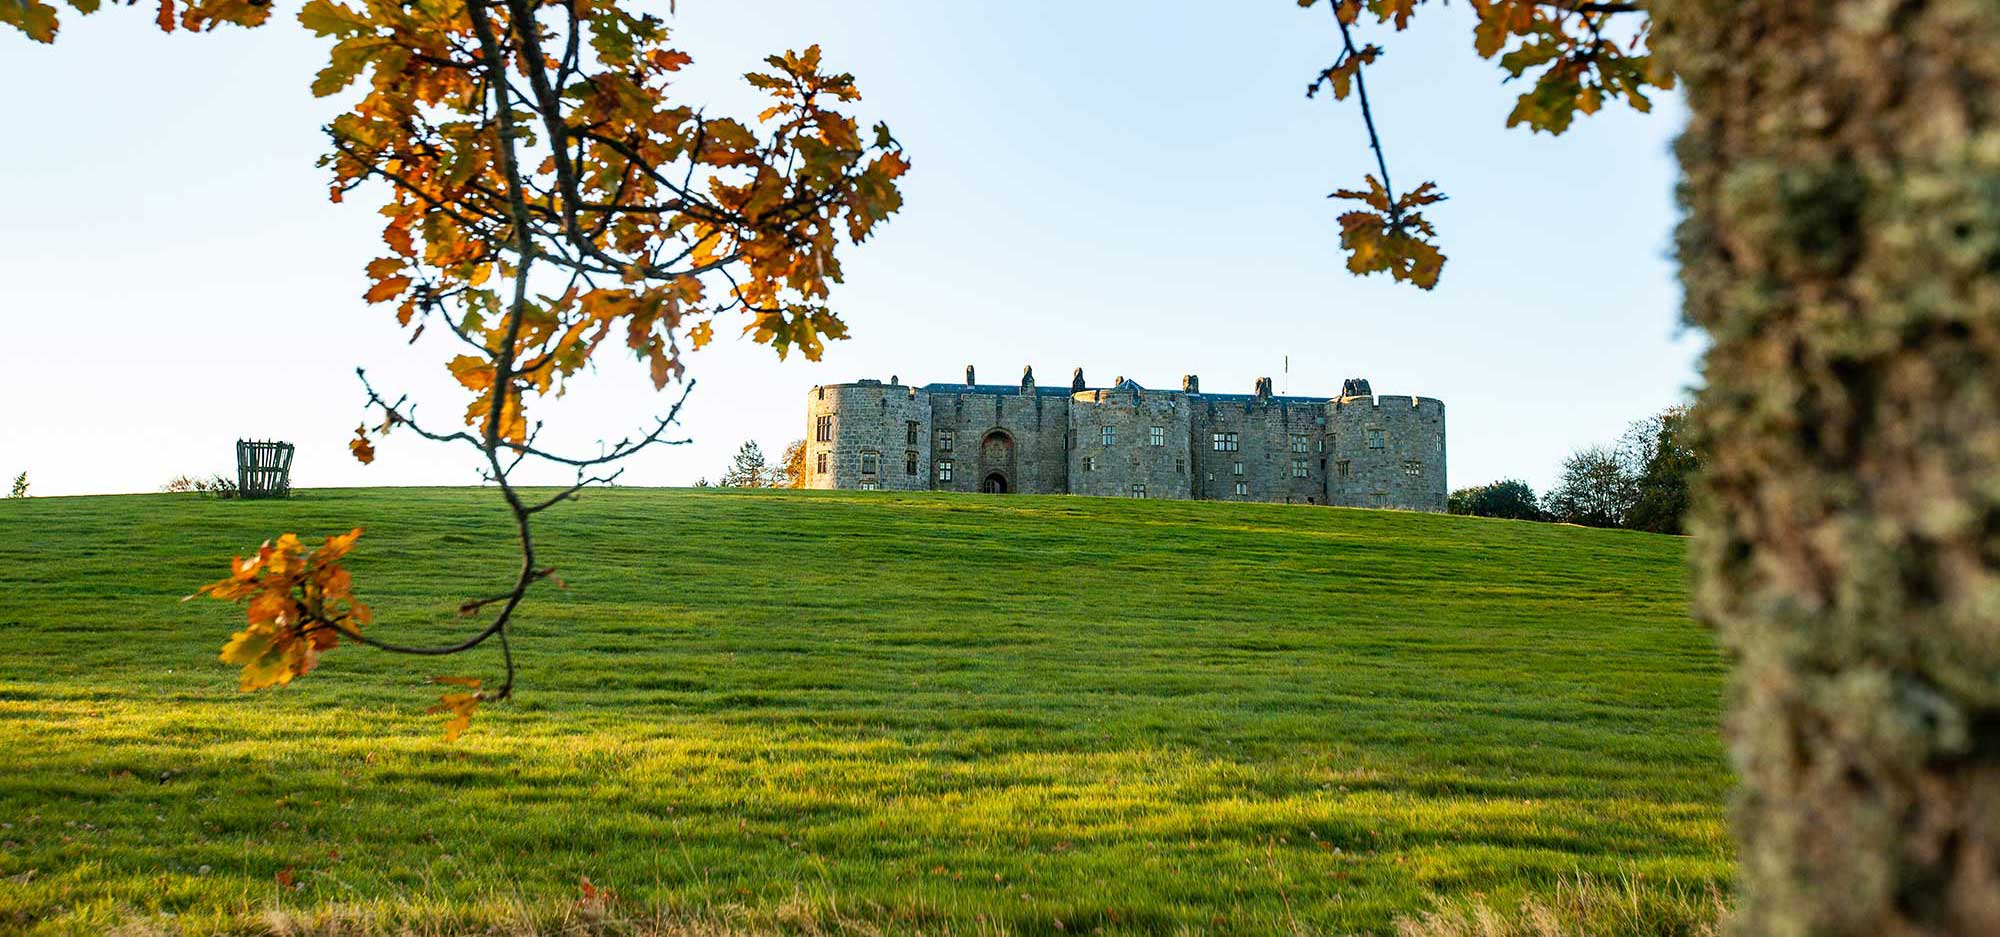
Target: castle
{"points": [[1356, 449]]}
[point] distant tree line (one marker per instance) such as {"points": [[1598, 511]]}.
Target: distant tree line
{"points": [[1638, 483], [750, 470]]}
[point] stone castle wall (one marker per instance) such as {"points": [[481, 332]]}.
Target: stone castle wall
{"points": [[1131, 414], [1355, 450], [864, 418], [1014, 433], [1264, 429], [1386, 452]]}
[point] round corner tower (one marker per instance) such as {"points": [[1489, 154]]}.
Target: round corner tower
{"points": [[1385, 452], [868, 436]]}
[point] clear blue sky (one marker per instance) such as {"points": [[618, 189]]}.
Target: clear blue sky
{"points": [[1132, 187]]}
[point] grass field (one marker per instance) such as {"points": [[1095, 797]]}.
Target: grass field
{"points": [[800, 711]]}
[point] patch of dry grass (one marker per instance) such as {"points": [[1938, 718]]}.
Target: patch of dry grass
{"points": [[1582, 906]]}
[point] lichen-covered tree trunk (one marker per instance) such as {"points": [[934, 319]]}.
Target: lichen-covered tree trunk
{"points": [[1842, 247]]}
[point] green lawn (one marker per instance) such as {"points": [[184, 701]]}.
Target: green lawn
{"points": [[935, 713]]}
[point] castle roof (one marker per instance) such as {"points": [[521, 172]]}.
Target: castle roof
{"points": [[1003, 390]]}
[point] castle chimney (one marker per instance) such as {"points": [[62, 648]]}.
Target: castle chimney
{"points": [[1191, 383], [968, 375], [1076, 380], [1028, 379], [895, 379], [1356, 387], [1263, 388]]}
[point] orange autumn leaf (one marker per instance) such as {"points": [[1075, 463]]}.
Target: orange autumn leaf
{"points": [[387, 289]]}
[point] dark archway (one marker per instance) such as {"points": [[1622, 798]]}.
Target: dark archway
{"points": [[996, 462]]}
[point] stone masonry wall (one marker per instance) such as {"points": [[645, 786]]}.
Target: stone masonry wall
{"points": [[1035, 422], [1131, 459], [1407, 471], [869, 416], [1264, 429]]}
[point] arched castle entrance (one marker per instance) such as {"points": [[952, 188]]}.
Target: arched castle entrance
{"points": [[996, 462]]}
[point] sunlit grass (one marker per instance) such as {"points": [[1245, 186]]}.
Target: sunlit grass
{"points": [[935, 712]]}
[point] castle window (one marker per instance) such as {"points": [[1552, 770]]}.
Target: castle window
{"points": [[1299, 442], [871, 462], [1224, 442], [1413, 468], [823, 429], [910, 435], [1298, 468], [1180, 466], [944, 470], [1138, 491], [1342, 466], [822, 463], [1089, 463], [1158, 436], [945, 440], [910, 460], [1236, 468], [871, 486], [1375, 440], [1242, 489], [1110, 436]]}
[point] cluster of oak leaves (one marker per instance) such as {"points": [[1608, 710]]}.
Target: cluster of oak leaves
{"points": [[1586, 54], [797, 188], [299, 603]]}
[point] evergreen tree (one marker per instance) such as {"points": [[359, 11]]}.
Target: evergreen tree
{"points": [[748, 469]]}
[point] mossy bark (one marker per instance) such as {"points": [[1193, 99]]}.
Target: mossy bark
{"points": [[1842, 247]]}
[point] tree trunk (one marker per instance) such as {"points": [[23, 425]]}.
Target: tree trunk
{"points": [[1842, 248]]}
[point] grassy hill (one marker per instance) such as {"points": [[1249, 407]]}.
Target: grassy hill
{"points": [[791, 710]]}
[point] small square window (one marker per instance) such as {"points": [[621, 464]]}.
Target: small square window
{"points": [[1413, 468], [1299, 468], [1089, 463], [1242, 489], [1157, 436], [1110, 436], [1342, 467], [1224, 442], [1300, 443], [1180, 466], [1138, 491], [871, 462], [944, 470], [945, 440], [1375, 439], [870, 486]]}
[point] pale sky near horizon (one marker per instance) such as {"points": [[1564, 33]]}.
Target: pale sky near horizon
{"points": [[1132, 187]]}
